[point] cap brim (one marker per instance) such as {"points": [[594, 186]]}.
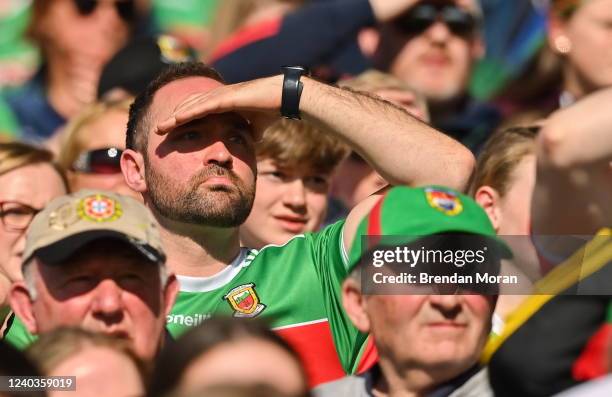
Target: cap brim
{"points": [[504, 250], [60, 251]]}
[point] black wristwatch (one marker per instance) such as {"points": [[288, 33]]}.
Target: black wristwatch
{"points": [[292, 91]]}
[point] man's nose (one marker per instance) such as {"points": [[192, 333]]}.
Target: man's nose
{"points": [[218, 153], [438, 32], [107, 303], [449, 305]]}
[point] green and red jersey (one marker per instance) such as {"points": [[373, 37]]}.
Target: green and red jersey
{"points": [[296, 287]]}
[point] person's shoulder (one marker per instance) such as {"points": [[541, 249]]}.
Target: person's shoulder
{"points": [[277, 249], [299, 241], [353, 386], [475, 386]]}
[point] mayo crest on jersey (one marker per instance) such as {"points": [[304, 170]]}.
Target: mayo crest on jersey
{"points": [[296, 287]]}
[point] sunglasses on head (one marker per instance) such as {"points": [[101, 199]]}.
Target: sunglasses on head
{"points": [[125, 8], [99, 161], [420, 17]]}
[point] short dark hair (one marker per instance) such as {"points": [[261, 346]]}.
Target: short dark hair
{"points": [[137, 124]]}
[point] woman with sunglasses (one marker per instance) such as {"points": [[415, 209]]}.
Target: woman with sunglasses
{"points": [[29, 180], [76, 39], [91, 148]]}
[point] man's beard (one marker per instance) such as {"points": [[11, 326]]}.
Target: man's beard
{"points": [[216, 206]]}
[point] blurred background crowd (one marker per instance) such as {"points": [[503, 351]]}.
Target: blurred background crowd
{"points": [[484, 72]]}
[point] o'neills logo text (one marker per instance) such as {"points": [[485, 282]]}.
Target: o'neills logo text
{"points": [[186, 319]]}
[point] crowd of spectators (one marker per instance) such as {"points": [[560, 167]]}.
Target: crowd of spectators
{"points": [[165, 232]]}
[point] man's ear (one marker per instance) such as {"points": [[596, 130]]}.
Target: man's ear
{"points": [[478, 48], [133, 169], [489, 199], [354, 304], [170, 292], [22, 305]]}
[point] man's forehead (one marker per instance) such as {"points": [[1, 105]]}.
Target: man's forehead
{"points": [[171, 95]]}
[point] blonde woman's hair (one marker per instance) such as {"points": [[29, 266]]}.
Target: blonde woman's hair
{"points": [[73, 139], [14, 155], [500, 156]]}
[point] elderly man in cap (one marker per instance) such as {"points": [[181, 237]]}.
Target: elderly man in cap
{"points": [[94, 260], [428, 341]]}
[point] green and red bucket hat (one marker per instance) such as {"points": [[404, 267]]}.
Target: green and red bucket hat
{"points": [[410, 213]]}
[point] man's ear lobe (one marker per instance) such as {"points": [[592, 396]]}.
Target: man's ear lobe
{"points": [[22, 305], [355, 305], [489, 199], [133, 169], [170, 291], [478, 48]]}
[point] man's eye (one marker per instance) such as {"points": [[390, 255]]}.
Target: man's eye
{"points": [[189, 136], [80, 282], [130, 278], [238, 138]]}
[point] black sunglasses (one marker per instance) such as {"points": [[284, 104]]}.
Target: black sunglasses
{"points": [[420, 17], [125, 8], [99, 161]]}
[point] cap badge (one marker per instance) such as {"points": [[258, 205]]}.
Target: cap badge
{"points": [[63, 217], [99, 208], [444, 201]]}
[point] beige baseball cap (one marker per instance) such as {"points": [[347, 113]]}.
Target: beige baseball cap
{"points": [[69, 222]]}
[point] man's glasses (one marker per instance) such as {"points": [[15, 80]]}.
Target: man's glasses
{"points": [[125, 8], [16, 216], [420, 17], [99, 161]]}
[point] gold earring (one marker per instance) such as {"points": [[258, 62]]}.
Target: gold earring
{"points": [[563, 44]]}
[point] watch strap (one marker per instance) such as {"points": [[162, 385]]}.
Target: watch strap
{"points": [[292, 91]]}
